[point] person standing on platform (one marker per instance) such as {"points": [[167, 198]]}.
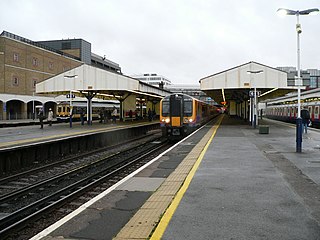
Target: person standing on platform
{"points": [[41, 117], [114, 114], [82, 116], [105, 116], [101, 116], [50, 117], [305, 115], [150, 115]]}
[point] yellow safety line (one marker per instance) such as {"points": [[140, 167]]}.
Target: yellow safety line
{"points": [[164, 222]]}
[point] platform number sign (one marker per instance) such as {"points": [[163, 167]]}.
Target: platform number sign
{"points": [[251, 93], [72, 96]]}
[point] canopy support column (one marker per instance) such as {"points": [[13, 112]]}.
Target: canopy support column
{"points": [[89, 97]]}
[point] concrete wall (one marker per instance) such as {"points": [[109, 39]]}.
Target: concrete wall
{"points": [[232, 108], [12, 159]]}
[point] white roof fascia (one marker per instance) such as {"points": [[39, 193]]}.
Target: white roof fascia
{"points": [[239, 78], [88, 78]]}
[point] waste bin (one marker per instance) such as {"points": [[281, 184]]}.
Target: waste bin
{"points": [[263, 129]]}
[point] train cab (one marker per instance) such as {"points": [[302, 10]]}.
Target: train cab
{"points": [[180, 114]]}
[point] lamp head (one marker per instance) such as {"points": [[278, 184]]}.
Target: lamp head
{"points": [[284, 12]]}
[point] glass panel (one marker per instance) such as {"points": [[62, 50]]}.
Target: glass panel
{"points": [[188, 108], [165, 108]]}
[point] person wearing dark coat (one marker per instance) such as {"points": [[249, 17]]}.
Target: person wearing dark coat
{"points": [[305, 115], [41, 117], [150, 115], [82, 116]]}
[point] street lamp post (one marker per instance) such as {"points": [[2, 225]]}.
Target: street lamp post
{"points": [[33, 115], [283, 12], [255, 111]]}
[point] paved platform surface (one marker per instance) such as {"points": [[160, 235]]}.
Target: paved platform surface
{"points": [[234, 183], [19, 135], [252, 186]]}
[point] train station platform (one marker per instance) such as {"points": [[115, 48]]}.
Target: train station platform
{"points": [[23, 132], [229, 182]]}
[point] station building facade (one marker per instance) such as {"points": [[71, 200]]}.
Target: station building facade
{"points": [[24, 63]]}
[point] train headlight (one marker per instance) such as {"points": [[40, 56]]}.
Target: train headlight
{"points": [[166, 120], [190, 120], [185, 120]]}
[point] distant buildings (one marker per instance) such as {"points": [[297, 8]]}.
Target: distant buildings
{"points": [[82, 50], [24, 63], [160, 81], [310, 77], [190, 89], [153, 79]]}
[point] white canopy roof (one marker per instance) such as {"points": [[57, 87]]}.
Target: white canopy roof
{"points": [[235, 83], [105, 84]]}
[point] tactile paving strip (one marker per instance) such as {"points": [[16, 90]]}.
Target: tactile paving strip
{"points": [[141, 225]]}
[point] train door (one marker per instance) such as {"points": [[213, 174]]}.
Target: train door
{"points": [[176, 108], [293, 110], [316, 113], [285, 113], [292, 113], [310, 108]]}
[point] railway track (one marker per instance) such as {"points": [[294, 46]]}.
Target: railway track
{"points": [[29, 203], [26, 178]]}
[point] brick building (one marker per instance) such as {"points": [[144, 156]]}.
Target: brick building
{"points": [[24, 63]]}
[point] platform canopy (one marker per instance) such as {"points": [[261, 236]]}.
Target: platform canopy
{"points": [[86, 79], [236, 83]]}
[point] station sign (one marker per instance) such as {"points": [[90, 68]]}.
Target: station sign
{"points": [[251, 94], [72, 96]]}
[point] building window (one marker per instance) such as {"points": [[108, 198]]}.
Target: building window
{"points": [[34, 82], [15, 81], [66, 45], [51, 65], [35, 62], [16, 57]]}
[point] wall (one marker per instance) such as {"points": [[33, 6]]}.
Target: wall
{"points": [[13, 159], [32, 65]]}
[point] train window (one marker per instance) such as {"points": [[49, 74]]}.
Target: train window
{"points": [[59, 109], [165, 108], [187, 109]]}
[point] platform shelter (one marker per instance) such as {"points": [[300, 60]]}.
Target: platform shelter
{"points": [[238, 86], [89, 82]]}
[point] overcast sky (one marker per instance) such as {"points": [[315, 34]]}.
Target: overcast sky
{"points": [[183, 40]]}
